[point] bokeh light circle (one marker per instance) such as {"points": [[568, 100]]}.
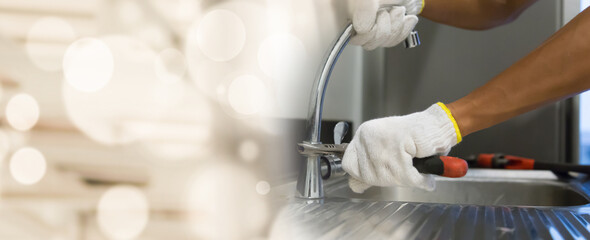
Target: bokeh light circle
{"points": [[247, 95], [27, 166], [121, 110], [88, 65], [262, 187], [47, 41], [22, 112], [220, 35], [122, 212]]}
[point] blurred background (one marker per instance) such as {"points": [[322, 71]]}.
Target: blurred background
{"points": [[154, 119]]}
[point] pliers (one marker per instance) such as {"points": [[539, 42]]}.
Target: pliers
{"points": [[502, 161], [445, 166]]}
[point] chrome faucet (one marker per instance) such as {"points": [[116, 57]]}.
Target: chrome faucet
{"points": [[309, 182]]}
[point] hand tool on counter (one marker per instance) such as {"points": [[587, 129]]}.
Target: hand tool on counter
{"points": [[502, 161], [332, 154]]}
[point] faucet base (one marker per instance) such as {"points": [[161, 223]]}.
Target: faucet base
{"points": [[309, 183]]}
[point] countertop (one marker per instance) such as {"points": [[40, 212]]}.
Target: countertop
{"points": [[349, 218]]}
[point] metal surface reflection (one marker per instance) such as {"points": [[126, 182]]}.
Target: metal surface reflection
{"points": [[536, 205]]}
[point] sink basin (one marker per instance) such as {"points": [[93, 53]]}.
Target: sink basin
{"points": [[479, 187], [497, 204]]}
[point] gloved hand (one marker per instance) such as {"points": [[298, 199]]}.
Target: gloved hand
{"points": [[386, 27], [382, 150]]}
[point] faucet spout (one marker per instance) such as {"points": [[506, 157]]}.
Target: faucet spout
{"points": [[316, 102], [309, 182]]}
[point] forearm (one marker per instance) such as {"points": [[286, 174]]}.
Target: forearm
{"points": [[474, 14], [559, 68]]}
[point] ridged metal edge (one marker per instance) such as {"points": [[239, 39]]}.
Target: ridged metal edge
{"points": [[345, 219]]}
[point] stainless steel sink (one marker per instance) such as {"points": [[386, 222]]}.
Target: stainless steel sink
{"points": [[480, 187], [490, 204]]}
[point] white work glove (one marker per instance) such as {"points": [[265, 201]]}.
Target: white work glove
{"points": [[382, 150], [384, 27]]}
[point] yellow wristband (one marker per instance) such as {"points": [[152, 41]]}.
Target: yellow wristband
{"points": [[422, 8], [457, 131]]}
